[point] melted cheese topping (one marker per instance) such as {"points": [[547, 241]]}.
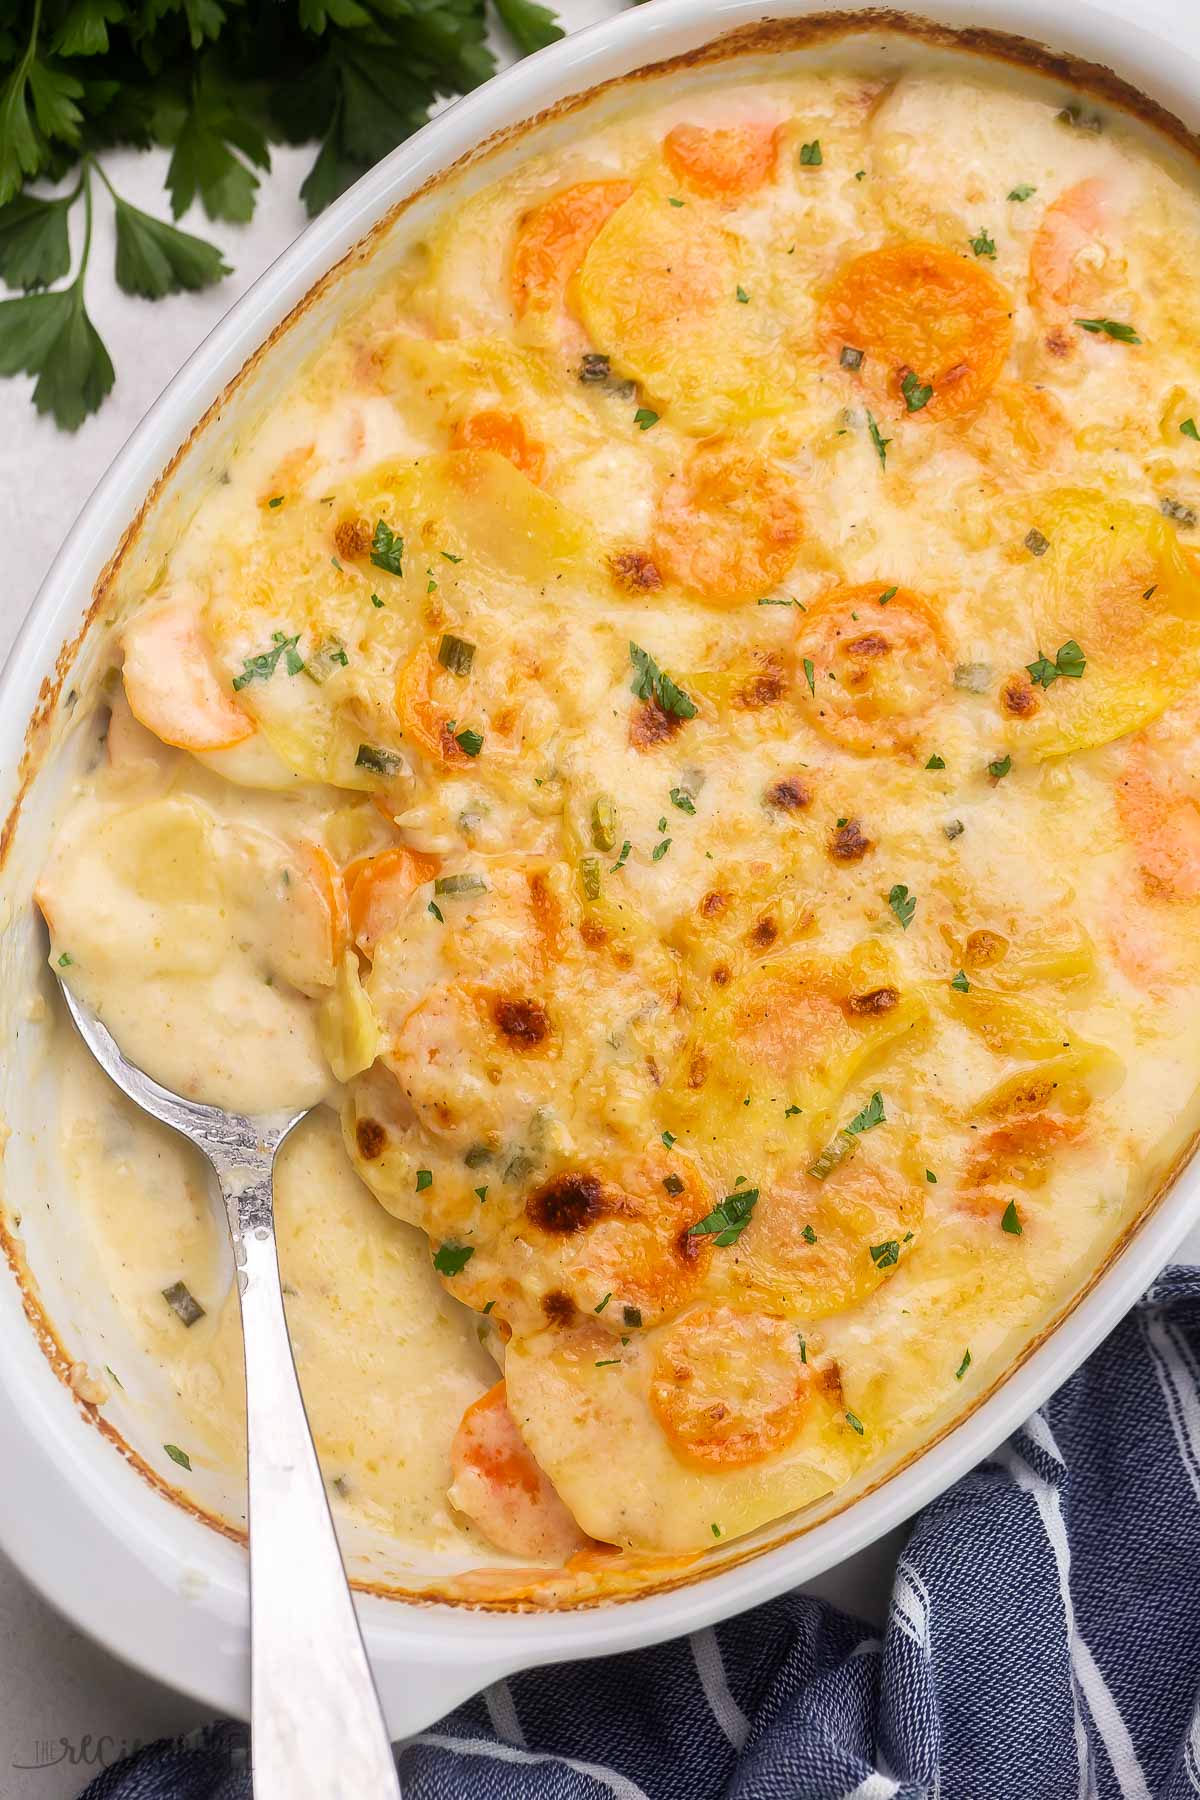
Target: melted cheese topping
{"points": [[679, 726]]}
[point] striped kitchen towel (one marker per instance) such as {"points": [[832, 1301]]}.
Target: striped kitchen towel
{"points": [[1043, 1643]]}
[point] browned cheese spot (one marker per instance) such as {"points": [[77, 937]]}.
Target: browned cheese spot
{"points": [[370, 1137], [567, 1203]]}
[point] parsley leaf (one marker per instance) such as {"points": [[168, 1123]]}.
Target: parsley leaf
{"points": [[871, 1115], [1188, 428], [1011, 1221], [726, 1222], [51, 336], [810, 155], [1069, 662], [960, 982], [264, 665], [178, 1456], [887, 1255], [903, 904], [982, 244], [34, 243], [998, 769], [154, 258], [743, 297], [963, 1366], [651, 683], [202, 162], [452, 1259], [531, 27], [880, 443], [683, 800], [936, 762], [387, 548], [1022, 192], [916, 393], [1123, 334], [855, 1423], [644, 418], [809, 677]]}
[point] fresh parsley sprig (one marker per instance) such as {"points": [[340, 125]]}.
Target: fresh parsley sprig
{"points": [[215, 83]]}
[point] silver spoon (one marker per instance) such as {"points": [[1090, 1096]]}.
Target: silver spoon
{"points": [[317, 1729]]}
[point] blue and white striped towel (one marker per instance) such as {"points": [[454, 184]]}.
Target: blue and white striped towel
{"points": [[1043, 1643]]}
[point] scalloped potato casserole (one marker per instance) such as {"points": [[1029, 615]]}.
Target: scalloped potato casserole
{"points": [[678, 730]]}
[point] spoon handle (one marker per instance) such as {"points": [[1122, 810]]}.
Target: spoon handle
{"points": [[317, 1729]]}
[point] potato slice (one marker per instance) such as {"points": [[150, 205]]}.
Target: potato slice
{"points": [[659, 293]]}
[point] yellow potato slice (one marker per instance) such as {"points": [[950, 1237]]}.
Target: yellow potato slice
{"points": [[658, 293], [1115, 580]]}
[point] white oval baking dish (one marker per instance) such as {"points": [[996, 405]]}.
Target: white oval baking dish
{"points": [[114, 1550]]}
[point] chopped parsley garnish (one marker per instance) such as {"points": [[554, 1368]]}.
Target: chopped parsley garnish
{"points": [[803, 1346], [903, 904], [888, 593], [481, 1196], [930, 1176], [672, 201], [683, 800], [810, 155], [376, 601], [651, 683], [608, 1362], [668, 1138], [808, 676], [855, 1422], [886, 1255], [1188, 429], [452, 1259], [424, 1179], [643, 418], [626, 847], [982, 244], [277, 500], [437, 912], [960, 984], [263, 666], [660, 850], [1123, 334], [792, 1112], [809, 1235], [880, 443], [726, 1222], [916, 393], [716, 1530], [65, 960], [450, 556], [963, 1366], [1022, 192], [1069, 662], [743, 297], [851, 358], [469, 742], [871, 1115], [998, 769], [1035, 542], [936, 762], [1011, 1222], [600, 1308], [178, 1456], [387, 548]]}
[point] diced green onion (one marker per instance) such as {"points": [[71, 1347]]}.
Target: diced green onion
{"points": [[378, 760], [839, 1151], [974, 677], [604, 822], [183, 1302], [589, 873], [459, 884], [325, 659], [456, 654]]}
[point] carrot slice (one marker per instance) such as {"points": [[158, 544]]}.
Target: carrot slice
{"points": [[379, 889], [500, 1487], [879, 663], [504, 433], [730, 527], [725, 163], [1067, 251], [171, 685], [553, 239], [921, 317], [730, 1388], [422, 721]]}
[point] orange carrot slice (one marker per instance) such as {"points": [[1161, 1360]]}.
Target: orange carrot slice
{"points": [[500, 1487], [726, 163], [379, 889], [504, 433], [553, 239], [171, 685]]}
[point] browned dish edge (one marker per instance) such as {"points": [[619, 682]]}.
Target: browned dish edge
{"points": [[768, 35]]}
